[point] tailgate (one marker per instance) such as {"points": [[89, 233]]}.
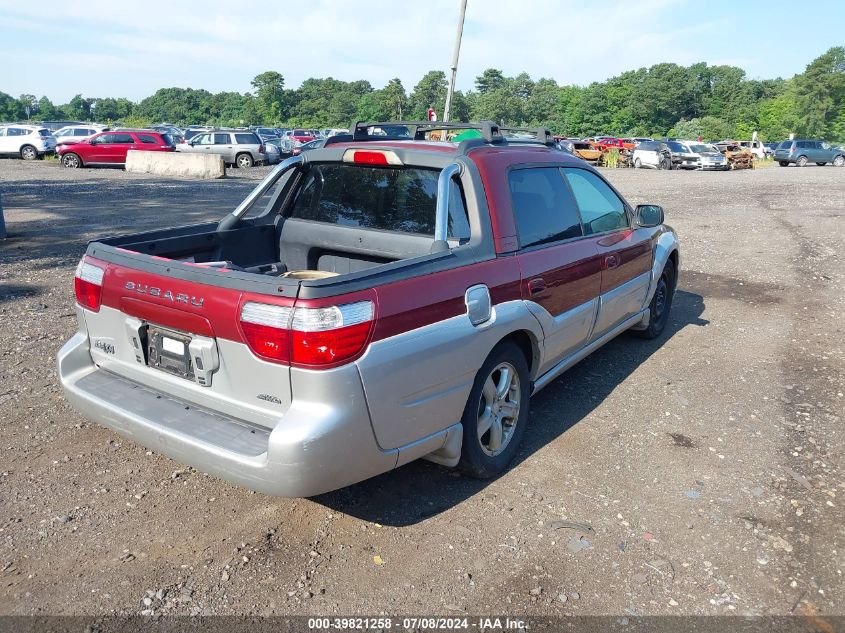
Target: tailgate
{"points": [[183, 338]]}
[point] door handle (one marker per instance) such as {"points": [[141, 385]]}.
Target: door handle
{"points": [[536, 285], [611, 261]]}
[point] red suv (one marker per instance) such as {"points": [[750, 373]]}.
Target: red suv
{"points": [[110, 148]]}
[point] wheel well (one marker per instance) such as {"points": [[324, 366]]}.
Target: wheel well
{"points": [[673, 257], [524, 340]]}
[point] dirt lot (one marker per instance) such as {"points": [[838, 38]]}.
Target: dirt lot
{"points": [[706, 467]]}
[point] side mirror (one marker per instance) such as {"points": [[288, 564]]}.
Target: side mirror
{"points": [[648, 215]]}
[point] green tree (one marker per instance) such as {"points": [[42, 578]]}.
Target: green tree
{"points": [[394, 101], [29, 105], [820, 94], [709, 128], [270, 96], [491, 79], [430, 92], [10, 108], [47, 111], [78, 108]]}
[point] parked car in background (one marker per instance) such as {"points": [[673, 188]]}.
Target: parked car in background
{"points": [[57, 125], [334, 131], [652, 155], [770, 148], [237, 147], [108, 149], [79, 132], [27, 141], [804, 151], [300, 135], [682, 156], [317, 143], [272, 151], [755, 147], [176, 133], [269, 132], [710, 158]]}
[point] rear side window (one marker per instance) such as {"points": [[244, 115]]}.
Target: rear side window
{"points": [[16, 131], [543, 207], [222, 139], [601, 209], [247, 139], [122, 138], [402, 200], [785, 145]]}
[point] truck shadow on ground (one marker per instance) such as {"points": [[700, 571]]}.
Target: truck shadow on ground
{"points": [[420, 490]]}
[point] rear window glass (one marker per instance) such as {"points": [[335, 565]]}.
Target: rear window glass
{"points": [[247, 139], [45, 133], [168, 140], [401, 200]]}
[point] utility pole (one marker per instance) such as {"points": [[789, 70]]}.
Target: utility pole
{"points": [[455, 55]]}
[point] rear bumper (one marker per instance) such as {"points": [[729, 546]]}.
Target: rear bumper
{"points": [[324, 441]]}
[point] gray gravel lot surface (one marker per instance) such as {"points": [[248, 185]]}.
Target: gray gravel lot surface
{"points": [[701, 473]]}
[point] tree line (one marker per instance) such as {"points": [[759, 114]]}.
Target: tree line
{"points": [[665, 99]]}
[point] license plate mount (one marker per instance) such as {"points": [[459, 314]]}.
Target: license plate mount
{"points": [[169, 351]]}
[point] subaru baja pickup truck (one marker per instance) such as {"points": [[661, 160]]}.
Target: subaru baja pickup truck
{"points": [[372, 302]]}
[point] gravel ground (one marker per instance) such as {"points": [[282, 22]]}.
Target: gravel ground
{"points": [[697, 474]]}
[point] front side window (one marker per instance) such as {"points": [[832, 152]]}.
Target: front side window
{"points": [[203, 139], [103, 139], [388, 199], [542, 206], [601, 209]]}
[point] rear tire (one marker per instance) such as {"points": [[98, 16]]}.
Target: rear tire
{"points": [[496, 412], [839, 161], [28, 152], [71, 161], [801, 162], [660, 304], [638, 163], [244, 161]]}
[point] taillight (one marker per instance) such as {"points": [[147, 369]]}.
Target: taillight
{"points": [[88, 285], [261, 149], [266, 329], [328, 336], [309, 337]]}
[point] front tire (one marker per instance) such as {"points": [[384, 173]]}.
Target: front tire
{"points": [[496, 412], [660, 304], [801, 162], [71, 161], [244, 161], [783, 163], [28, 152]]}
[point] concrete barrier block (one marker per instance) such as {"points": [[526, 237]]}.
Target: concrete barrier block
{"points": [[175, 164]]}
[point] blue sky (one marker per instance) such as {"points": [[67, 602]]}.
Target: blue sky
{"points": [[105, 48]]}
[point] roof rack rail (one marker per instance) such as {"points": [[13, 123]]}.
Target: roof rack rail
{"points": [[491, 133]]}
